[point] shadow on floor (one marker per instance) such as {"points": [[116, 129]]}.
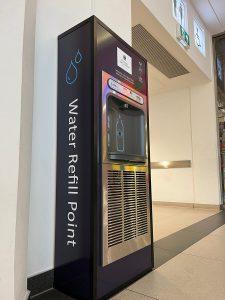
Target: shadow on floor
{"points": [[170, 246]]}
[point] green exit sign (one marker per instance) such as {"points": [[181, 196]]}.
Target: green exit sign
{"points": [[183, 37]]}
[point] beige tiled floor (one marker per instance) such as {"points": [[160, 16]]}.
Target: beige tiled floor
{"points": [[168, 220], [211, 247], [198, 273], [185, 277]]}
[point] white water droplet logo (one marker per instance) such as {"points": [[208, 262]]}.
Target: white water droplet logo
{"points": [[72, 70]]}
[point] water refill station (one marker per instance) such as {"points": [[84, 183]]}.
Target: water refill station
{"points": [[103, 239]]}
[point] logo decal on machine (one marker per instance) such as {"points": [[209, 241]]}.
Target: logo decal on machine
{"points": [[72, 70], [124, 61]]}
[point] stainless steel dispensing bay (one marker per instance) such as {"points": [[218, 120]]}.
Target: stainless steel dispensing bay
{"points": [[126, 211]]}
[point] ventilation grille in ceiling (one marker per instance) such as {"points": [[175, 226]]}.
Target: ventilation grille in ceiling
{"points": [[155, 53], [127, 206]]}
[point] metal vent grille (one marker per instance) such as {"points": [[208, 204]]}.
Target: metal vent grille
{"points": [[129, 197], [142, 223], [127, 206], [155, 53], [115, 210]]}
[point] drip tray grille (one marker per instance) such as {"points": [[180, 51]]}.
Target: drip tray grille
{"points": [[125, 213]]}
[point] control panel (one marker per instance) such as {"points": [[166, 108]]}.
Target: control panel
{"points": [[116, 86]]}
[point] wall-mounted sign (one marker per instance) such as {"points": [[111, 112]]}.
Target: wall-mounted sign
{"points": [[180, 13], [183, 37], [199, 35]]}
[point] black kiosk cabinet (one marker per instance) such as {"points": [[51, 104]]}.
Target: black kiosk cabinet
{"points": [[103, 235]]}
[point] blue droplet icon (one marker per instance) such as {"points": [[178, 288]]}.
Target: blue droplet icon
{"points": [[78, 57], [72, 71]]}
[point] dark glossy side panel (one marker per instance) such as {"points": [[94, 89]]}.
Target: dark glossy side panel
{"points": [[124, 271], [73, 259]]}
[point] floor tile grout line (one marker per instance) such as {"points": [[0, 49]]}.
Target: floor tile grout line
{"points": [[189, 230], [185, 253], [200, 231], [150, 297], [167, 249], [173, 251], [181, 251], [207, 258]]}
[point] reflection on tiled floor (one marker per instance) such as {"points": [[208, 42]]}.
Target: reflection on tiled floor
{"points": [[168, 219]]}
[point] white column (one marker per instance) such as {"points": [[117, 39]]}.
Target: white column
{"points": [[15, 147], [53, 18], [170, 139], [206, 169], [206, 176]]}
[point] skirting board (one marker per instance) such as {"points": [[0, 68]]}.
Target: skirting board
{"points": [[222, 207], [40, 283], [191, 205], [27, 295]]}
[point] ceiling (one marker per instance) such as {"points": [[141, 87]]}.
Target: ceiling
{"points": [[212, 13]]}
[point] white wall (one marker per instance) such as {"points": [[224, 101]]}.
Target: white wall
{"points": [[170, 136], [116, 15], [205, 145], [25, 150], [184, 127], [16, 85], [170, 126], [53, 18], [10, 86]]}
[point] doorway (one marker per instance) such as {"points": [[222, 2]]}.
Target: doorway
{"points": [[219, 57]]}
